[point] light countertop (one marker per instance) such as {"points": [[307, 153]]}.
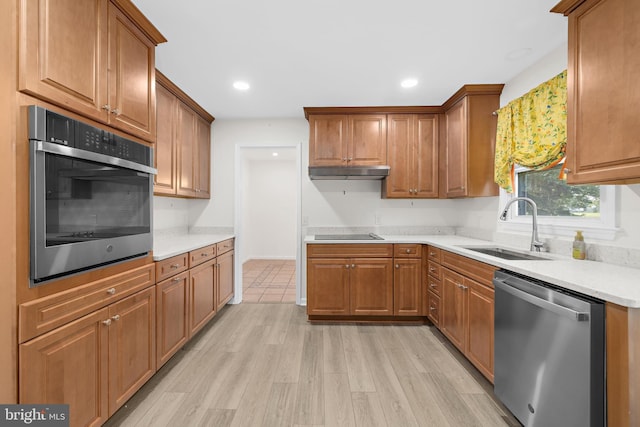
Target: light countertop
{"points": [[168, 245], [612, 283]]}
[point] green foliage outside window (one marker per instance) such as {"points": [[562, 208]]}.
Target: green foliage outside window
{"points": [[554, 197]]}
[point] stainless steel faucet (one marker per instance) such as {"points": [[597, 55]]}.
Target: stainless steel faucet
{"points": [[536, 243]]}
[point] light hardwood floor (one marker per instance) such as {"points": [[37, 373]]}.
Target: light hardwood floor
{"points": [[265, 365]]}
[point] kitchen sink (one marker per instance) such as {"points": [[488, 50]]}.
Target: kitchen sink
{"points": [[506, 253]]}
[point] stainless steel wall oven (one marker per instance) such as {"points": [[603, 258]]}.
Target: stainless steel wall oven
{"points": [[91, 195]]}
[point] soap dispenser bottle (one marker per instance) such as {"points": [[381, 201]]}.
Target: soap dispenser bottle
{"points": [[579, 249]]}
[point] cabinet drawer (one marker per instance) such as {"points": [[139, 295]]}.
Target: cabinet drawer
{"points": [[434, 270], [224, 246], [471, 268], [433, 254], [362, 250], [407, 250], [201, 255], [45, 314], [434, 308], [433, 285], [171, 266]]}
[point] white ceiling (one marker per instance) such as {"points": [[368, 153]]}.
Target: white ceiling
{"points": [[297, 53]]}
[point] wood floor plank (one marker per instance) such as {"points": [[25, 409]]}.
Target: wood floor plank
{"points": [[309, 407], [216, 418], [334, 361], [487, 412], [288, 370], [450, 401], [163, 410], [338, 409], [395, 404], [279, 410], [277, 324], [367, 410], [252, 407], [360, 378]]}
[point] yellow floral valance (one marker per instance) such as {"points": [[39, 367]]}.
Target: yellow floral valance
{"points": [[532, 130]]}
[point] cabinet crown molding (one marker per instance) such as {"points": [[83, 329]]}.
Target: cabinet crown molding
{"points": [[133, 13], [566, 6], [470, 90], [164, 81]]}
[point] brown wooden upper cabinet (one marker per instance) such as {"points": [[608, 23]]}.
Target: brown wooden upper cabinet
{"points": [[95, 57], [603, 92], [412, 146], [347, 139], [183, 147], [468, 149]]}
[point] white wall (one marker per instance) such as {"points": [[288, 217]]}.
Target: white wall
{"points": [[269, 220]]}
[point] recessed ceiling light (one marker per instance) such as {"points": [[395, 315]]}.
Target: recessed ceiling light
{"points": [[240, 85], [407, 83], [274, 154]]}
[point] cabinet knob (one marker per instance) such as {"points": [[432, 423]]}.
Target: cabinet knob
{"points": [[346, 266], [353, 266], [432, 269], [116, 318], [344, 159], [397, 265], [432, 285], [350, 158], [432, 254], [408, 251], [106, 322], [432, 308], [115, 112], [111, 291], [106, 107], [567, 170]]}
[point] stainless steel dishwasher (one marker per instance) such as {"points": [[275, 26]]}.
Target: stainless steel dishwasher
{"points": [[549, 353]]}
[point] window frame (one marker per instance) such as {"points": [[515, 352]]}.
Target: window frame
{"points": [[603, 228]]}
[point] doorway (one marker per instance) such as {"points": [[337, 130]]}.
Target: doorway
{"points": [[267, 221]]}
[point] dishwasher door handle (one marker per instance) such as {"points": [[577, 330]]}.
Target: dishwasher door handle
{"points": [[542, 303]]}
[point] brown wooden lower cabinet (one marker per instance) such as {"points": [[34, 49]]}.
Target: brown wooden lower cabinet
{"points": [[202, 298], [95, 363], [467, 308], [407, 287], [225, 280], [371, 286], [328, 290], [172, 308]]}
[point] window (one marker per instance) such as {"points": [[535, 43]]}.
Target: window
{"points": [[562, 208]]}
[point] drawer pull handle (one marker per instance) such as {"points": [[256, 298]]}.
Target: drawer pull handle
{"points": [[432, 254], [432, 269], [204, 254], [174, 266], [432, 308], [106, 322], [177, 279], [116, 318], [432, 285], [111, 291]]}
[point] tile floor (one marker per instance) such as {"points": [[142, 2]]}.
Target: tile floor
{"points": [[266, 280]]}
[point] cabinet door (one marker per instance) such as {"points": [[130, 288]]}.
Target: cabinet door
{"points": [[426, 156], [433, 308], [456, 150], [480, 326], [203, 162], [407, 287], [400, 142], [454, 307], [327, 140], [371, 282], [172, 309], [131, 77], [166, 181], [225, 279], [62, 55], [132, 345], [185, 140], [367, 140], [202, 304], [69, 365], [602, 104], [328, 286]]}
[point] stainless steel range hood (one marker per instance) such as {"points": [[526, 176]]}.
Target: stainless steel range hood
{"points": [[348, 172]]}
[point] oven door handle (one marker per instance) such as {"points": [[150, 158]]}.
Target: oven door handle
{"points": [[76, 153], [540, 302]]}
